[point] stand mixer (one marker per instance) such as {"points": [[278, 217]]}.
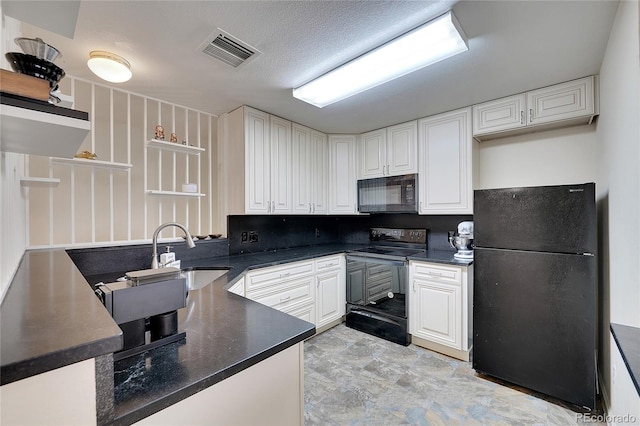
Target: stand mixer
{"points": [[462, 240]]}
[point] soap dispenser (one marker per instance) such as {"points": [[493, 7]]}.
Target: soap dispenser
{"points": [[169, 259]]}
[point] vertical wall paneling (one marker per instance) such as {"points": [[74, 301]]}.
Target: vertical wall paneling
{"points": [[109, 202]]}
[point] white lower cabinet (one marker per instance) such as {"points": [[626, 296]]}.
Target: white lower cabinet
{"points": [[330, 289], [440, 307], [312, 290]]}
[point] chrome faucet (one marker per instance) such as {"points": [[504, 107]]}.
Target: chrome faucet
{"points": [[190, 243]]}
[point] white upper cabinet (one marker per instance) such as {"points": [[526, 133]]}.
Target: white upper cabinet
{"points": [[565, 101], [320, 173], [500, 115], [342, 175], [257, 161], [388, 152], [372, 148], [267, 163], [402, 148], [445, 163], [280, 166], [310, 171], [565, 104]]}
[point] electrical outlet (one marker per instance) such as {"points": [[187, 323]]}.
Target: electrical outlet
{"points": [[244, 236], [253, 237], [317, 233]]}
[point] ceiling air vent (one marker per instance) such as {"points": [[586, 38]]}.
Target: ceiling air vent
{"points": [[224, 47]]}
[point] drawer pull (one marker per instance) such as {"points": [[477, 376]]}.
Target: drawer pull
{"points": [[285, 275], [284, 299]]}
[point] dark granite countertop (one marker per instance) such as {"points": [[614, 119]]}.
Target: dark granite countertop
{"points": [[628, 341], [50, 318], [226, 333]]}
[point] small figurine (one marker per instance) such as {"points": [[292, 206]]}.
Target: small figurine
{"points": [[159, 132], [184, 142], [174, 137]]}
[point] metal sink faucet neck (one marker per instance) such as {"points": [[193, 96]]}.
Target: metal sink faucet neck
{"points": [[189, 239]]}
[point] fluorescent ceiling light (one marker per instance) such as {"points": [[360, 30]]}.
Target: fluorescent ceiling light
{"points": [[109, 66], [432, 42]]}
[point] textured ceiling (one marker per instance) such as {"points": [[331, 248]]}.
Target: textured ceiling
{"points": [[514, 46]]}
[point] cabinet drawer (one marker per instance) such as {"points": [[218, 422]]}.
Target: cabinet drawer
{"points": [[328, 263], [283, 296], [270, 276], [439, 273], [305, 312], [378, 272]]}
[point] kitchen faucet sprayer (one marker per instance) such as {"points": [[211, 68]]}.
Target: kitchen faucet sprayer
{"points": [[189, 239]]}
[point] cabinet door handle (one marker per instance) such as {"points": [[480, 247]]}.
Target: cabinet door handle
{"points": [[309, 207], [521, 116], [268, 206], [284, 299], [414, 286], [314, 208], [273, 207], [530, 115], [420, 206], [285, 275]]}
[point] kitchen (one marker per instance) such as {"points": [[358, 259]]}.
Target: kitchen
{"points": [[605, 152]]}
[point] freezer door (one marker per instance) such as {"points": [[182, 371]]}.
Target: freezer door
{"points": [[560, 219], [534, 321]]}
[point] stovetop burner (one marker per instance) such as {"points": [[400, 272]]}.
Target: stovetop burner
{"points": [[390, 251], [395, 243]]}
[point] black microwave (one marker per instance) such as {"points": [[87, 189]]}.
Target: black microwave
{"points": [[391, 194]]}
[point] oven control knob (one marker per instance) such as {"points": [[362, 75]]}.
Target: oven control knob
{"points": [[390, 295]]}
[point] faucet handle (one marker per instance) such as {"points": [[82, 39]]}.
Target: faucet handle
{"points": [[169, 249]]}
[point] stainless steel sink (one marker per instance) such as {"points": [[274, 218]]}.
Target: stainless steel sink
{"points": [[198, 278]]}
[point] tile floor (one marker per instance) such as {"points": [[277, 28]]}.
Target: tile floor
{"points": [[352, 378]]}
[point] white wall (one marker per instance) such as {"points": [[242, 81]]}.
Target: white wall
{"points": [[556, 157], [12, 207], [618, 137]]}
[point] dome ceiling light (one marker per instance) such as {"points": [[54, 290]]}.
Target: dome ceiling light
{"points": [[109, 66]]}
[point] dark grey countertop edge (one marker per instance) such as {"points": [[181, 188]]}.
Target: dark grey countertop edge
{"points": [[628, 341], [30, 367], [160, 404]]}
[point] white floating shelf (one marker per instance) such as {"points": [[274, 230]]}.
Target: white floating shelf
{"points": [[26, 131], [174, 146], [90, 163], [174, 193], [39, 182]]}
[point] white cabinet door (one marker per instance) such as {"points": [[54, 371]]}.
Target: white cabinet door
{"points": [[302, 150], [330, 293], [435, 312], [320, 175], [402, 148], [257, 162], [444, 147], [500, 115], [331, 289], [562, 101], [372, 149], [281, 166], [342, 174]]}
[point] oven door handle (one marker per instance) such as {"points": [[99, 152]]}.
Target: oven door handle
{"points": [[374, 316], [378, 260]]}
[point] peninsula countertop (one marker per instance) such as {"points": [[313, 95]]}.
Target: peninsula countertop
{"points": [[51, 318]]}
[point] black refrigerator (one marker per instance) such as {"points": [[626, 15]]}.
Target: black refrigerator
{"points": [[535, 289]]}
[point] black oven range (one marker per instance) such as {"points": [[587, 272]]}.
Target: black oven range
{"points": [[377, 278]]}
